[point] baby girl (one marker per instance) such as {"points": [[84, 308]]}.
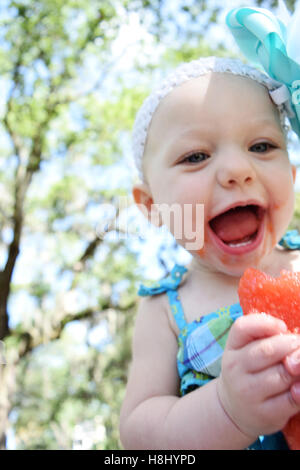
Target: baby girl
{"points": [[213, 135]]}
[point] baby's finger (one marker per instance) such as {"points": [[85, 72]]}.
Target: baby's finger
{"points": [[251, 327], [292, 363], [271, 382], [264, 353], [284, 406], [295, 392]]}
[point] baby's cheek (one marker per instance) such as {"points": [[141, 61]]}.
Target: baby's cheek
{"points": [[282, 210]]}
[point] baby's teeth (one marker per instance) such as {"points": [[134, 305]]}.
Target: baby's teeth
{"points": [[240, 244]]}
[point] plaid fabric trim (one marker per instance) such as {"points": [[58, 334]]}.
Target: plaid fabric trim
{"points": [[205, 345]]}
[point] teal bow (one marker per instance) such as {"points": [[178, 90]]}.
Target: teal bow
{"points": [[262, 39]]}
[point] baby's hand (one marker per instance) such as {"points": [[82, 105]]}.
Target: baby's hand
{"points": [[255, 388]]}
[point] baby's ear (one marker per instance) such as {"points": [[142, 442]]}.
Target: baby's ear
{"points": [[143, 198], [294, 172]]}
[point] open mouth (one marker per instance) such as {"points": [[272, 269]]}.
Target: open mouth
{"points": [[239, 229]]}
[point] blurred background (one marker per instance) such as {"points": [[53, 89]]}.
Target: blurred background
{"points": [[73, 248]]}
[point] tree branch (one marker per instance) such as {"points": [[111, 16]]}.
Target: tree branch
{"points": [[28, 343]]}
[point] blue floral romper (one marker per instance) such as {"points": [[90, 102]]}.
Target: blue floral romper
{"points": [[199, 354]]}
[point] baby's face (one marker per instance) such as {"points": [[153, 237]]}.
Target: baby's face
{"points": [[217, 141]]}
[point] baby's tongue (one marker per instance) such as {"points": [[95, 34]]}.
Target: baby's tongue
{"points": [[235, 224]]}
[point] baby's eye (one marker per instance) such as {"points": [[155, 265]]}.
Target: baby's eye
{"points": [[196, 157], [262, 147]]}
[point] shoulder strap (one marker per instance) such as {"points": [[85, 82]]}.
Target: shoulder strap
{"points": [[176, 308], [291, 240], [169, 284], [171, 281]]}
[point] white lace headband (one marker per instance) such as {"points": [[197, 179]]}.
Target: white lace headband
{"points": [[194, 69]]}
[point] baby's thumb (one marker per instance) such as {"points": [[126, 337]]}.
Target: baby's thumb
{"points": [[248, 328]]}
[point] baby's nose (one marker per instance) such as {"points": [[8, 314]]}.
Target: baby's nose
{"points": [[237, 171]]}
